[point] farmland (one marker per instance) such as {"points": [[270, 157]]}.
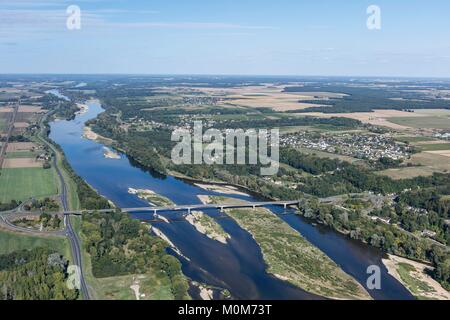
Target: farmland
{"points": [[433, 122], [3, 123], [10, 242], [23, 183]]}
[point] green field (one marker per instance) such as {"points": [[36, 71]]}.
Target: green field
{"points": [[3, 123], [437, 122], [10, 242], [21, 154], [414, 139], [435, 147], [24, 183]]}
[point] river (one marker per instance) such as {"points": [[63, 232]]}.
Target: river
{"points": [[237, 266]]}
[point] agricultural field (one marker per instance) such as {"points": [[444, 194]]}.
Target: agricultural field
{"points": [[23, 183], [436, 122], [426, 164], [21, 154], [268, 96], [3, 123], [11, 163], [10, 242], [435, 147]]}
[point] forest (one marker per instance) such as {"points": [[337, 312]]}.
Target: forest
{"points": [[119, 245], [37, 274]]}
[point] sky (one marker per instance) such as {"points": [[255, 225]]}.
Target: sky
{"points": [[230, 37]]}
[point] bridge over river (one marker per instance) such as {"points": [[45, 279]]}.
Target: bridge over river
{"points": [[187, 208]]}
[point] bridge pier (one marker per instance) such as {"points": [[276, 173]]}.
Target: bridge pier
{"points": [[222, 209], [285, 206], [189, 210], [254, 207], [155, 211]]}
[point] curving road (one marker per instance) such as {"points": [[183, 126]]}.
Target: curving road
{"points": [[70, 233]]}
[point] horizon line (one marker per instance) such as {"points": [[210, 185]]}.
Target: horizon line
{"points": [[222, 75]]}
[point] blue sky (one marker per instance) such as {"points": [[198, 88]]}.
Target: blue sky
{"points": [[255, 37]]}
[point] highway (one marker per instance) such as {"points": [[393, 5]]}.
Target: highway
{"points": [[70, 233]]}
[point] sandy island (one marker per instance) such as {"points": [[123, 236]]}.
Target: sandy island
{"points": [[207, 226], [83, 109], [436, 292], [89, 134], [151, 197], [111, 154], [226, 189]]}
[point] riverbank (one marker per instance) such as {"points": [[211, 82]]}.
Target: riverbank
{"points": [[413, 275], [291, 258], [89, 134], [161, 235], [83, 109]]}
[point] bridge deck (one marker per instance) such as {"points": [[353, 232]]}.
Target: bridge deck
{"points": [[192, 207], [189, 208]]}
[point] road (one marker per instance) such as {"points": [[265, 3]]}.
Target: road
{"points": [[70, 233], [188, 207]]}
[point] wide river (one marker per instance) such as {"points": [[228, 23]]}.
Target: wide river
{"points": [[237, 266]]}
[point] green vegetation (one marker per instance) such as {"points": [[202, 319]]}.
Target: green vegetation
{"points": [[10, 242], [38, 274], [208, 226], [3, 123], [156, 199], [9, 206], [422, 122], [24, 183], [289, 256], [21, 154], [414, 139], [416, 286], [45, 221], [46, 204], [152, 286], [435, 147], [119, 246], [88, 198]]}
